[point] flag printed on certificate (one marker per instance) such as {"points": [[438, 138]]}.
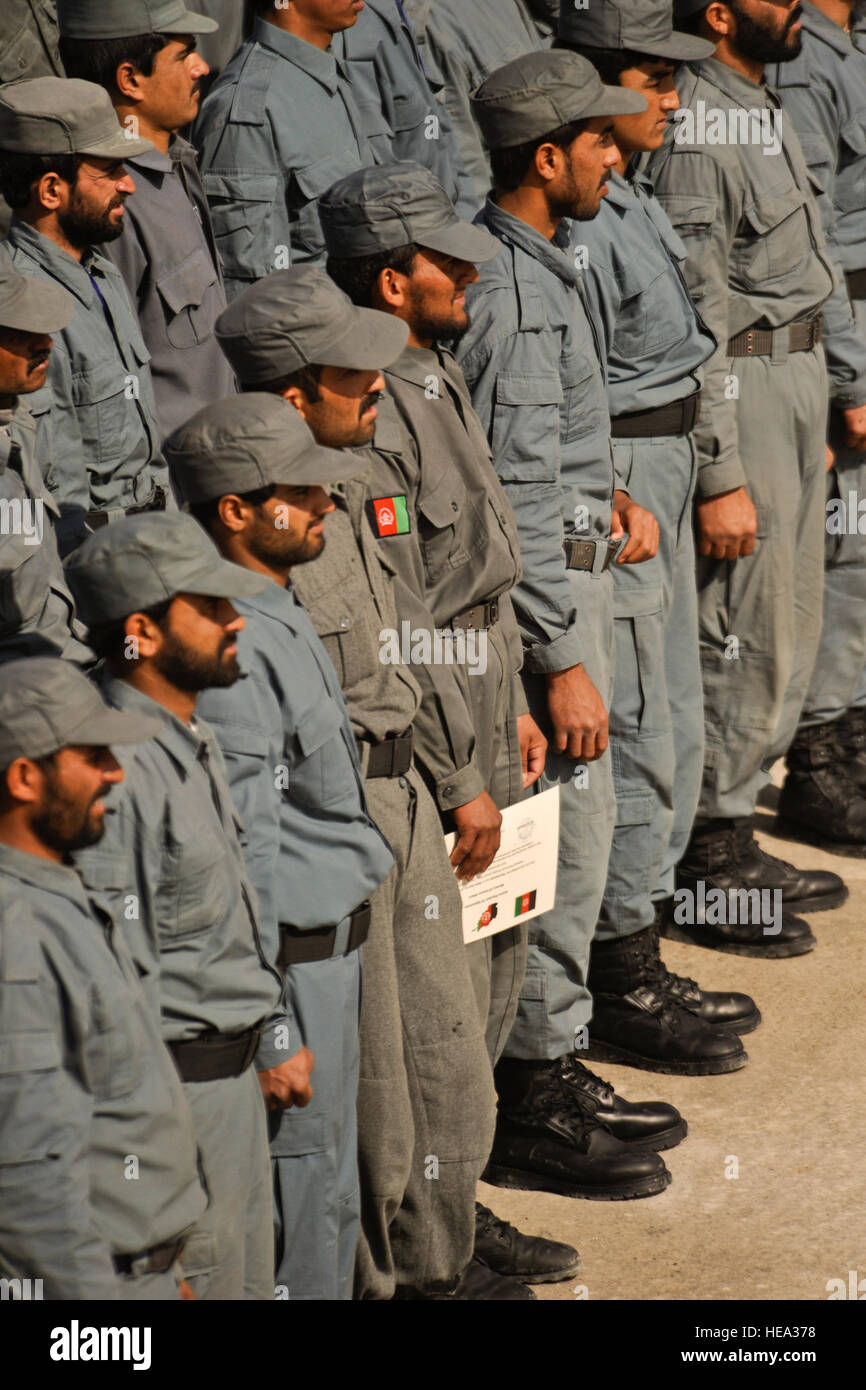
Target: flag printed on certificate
{"points": [[525, 903], [392, 516]]}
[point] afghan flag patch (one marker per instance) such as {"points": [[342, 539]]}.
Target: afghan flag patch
{"points": [[525, 903], [392, 516]]}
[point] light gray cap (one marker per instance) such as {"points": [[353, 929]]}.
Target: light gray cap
{"points": [[63, 115], [47, 704], [391, 205], [31, 306], [116, 19], [539, 92], [246, 442], [144, 560], [296, 317], [646, 26]]}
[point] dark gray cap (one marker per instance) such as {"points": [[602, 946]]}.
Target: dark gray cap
{"points": [[297, 317], [31, 306], [538, 92], [116, 19], [246, 442], [646, 26], [47, 704], [62, 115], [147, 559], [392, 205]]}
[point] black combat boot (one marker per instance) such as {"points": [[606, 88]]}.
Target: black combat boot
{"points": [[819, 802], [636, 1023], [851, 732], [548, 1140], [652, 1124], [504, 1249]]}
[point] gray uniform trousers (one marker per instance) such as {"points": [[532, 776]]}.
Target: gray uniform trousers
{"points": [[229, 1253], [497, 963], [317, 1206], [839, 678], [656, 717], [554, 1001], [770, 601], [426, 1105]]}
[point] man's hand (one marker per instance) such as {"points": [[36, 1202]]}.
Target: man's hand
{"points": [[855, 427], [289, 1083], [642, 528], [728, 525], [533, 749], [478, 830], [578, 715]]}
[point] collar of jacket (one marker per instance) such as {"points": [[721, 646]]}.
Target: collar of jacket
{"points": [[72, 274], [512, 230], [46, 874], [322, 65], [817, 23]]}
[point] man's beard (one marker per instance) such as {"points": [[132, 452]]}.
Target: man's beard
{"points": [[83, 228], [755, 42], [192, 671], [54, 828]]}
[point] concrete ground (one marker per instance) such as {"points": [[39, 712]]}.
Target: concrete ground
{"points": [[791, 1124]]}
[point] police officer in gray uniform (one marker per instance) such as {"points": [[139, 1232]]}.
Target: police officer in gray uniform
{"points": [[251, 472], [822, 92], [278, 127], [732, 179], [98, 1178], [61, 152], [144, 55], [37, 613], [155, 594]]}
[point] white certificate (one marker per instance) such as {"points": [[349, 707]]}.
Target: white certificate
{"points": [[521, 881]]}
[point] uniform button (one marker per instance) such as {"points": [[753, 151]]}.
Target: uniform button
{"points": [[345, 622]]}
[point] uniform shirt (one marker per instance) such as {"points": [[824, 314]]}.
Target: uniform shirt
{"points": [[171, 867], [469, 42], [653, 339], [86, 1089], [96, 414], [37, 611], [174, 282], [278, 128], [532, 364], [355, 597], [753, 238], [824, 92]]}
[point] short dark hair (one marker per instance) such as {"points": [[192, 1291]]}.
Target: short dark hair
{"points": [[357, 275], [511, 166], [19, 172], [97, 60], [305, 379], [609, 63], [108, 639], [207, 513]]}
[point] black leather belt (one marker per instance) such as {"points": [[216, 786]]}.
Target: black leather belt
{"points": [[390, 758], [156, 503], [215, 1055], [159, 1258], [677, 418], [856, 282], [595, 555], [482, 615], [762, 342], [301, 944]]}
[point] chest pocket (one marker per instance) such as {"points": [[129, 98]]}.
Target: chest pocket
{"points": [[107, 409], [113, 1050], [187, 292], [321, 769], [192, 889], [242, 212], [772, 238], [526, 424], [448, 528], [584, 408]]}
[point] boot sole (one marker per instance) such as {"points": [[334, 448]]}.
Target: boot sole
{"points": [[773, 951], [537, 1182], [792, 829], [609, 1052]]}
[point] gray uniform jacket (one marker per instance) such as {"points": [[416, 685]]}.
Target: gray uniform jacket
{"points": [[653, 339], [278, 128], [96, 414], [752, 233], [168, 259], [37, 611], [171, 867], [824, 93], [86, 1088], [312, 851], [532, 363]]}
